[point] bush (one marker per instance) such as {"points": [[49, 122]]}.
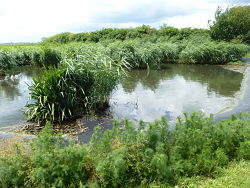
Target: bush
{"points": [[233, 23], [136, 155]]}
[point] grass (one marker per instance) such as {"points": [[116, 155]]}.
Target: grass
{"points": [[147, 52], [247, 55], [236, 63], [213, 53], [236, 174]]}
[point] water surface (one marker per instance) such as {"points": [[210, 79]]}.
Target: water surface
{"points": [[144, 94], [149, 94], [14, 95]]}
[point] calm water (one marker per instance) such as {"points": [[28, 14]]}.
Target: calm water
{"points": [[14, 95], [144, 94], [149, 94]]}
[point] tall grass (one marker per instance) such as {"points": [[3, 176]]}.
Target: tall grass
{"points": [[82, 83], [134, 156], [20, 56], [213, 53], [140, 54], [147, 52]]}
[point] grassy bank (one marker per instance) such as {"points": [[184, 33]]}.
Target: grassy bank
{"points": [[236, 174], [146, 52], [132, 156]]}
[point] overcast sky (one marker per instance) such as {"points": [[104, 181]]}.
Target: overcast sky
{"points": [[30, 20]]}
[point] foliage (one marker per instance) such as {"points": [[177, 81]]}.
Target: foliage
{"points": [[20, 56], [48, 163], [213, 53], [126, 34], [83, 82], [49, 57], [235, 175], [136, 155], [233, 23], [62, 38], [6, 61], [236, 63], [146, 51]]}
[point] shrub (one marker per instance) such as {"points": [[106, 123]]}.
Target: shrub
{"points": [[233, 23], [139, 155]]}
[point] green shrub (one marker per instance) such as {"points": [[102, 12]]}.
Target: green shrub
{"points": [[141, 155], [233, 23]]}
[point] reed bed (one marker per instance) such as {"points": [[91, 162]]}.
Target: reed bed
{"points": [[82, 83]]}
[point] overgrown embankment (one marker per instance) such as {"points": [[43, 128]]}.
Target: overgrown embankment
{"points": [[131, 156]]}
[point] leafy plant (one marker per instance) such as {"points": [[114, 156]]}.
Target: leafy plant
{"points": [[82, 83], [141, 155]]}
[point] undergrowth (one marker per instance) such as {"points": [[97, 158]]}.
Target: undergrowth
{"points": [[142, 155]]}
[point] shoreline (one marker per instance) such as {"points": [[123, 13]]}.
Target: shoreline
{"points": [[243, 105], [240, 105]]}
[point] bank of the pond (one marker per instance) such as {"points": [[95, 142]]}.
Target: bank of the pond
{"points": [[244, 104], [132, 157], [84, 127]]}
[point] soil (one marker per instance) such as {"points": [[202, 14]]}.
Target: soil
{"points": [[236, 68]]}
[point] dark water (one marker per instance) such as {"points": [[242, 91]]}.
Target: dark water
{"points": [[149, 94], [145, 94], [14, 95]]}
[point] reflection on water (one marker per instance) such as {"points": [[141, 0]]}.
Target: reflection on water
{"points": [[149, 94], [145, 94], [14, 95]]}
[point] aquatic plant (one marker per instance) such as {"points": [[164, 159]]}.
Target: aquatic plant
{"points": [[82, 83], [213, 53], [6, 60]]}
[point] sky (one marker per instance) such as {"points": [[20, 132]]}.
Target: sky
{"points": [[30, 20]]}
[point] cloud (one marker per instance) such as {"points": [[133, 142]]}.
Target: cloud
{"points": [[29, 20], [142, 11], [237, 1]]}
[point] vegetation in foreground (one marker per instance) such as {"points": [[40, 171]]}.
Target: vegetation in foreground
{"points": [[236, 174], [134, 156]]}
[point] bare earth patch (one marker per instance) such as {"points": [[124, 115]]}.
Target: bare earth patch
{"points": [[236, 68]]}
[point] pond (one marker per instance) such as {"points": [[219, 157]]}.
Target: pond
{"points": [[14, 95], [150, 94], [144, 94]]}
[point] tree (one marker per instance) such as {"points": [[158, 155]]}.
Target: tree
{"points": [[233, 23]]}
